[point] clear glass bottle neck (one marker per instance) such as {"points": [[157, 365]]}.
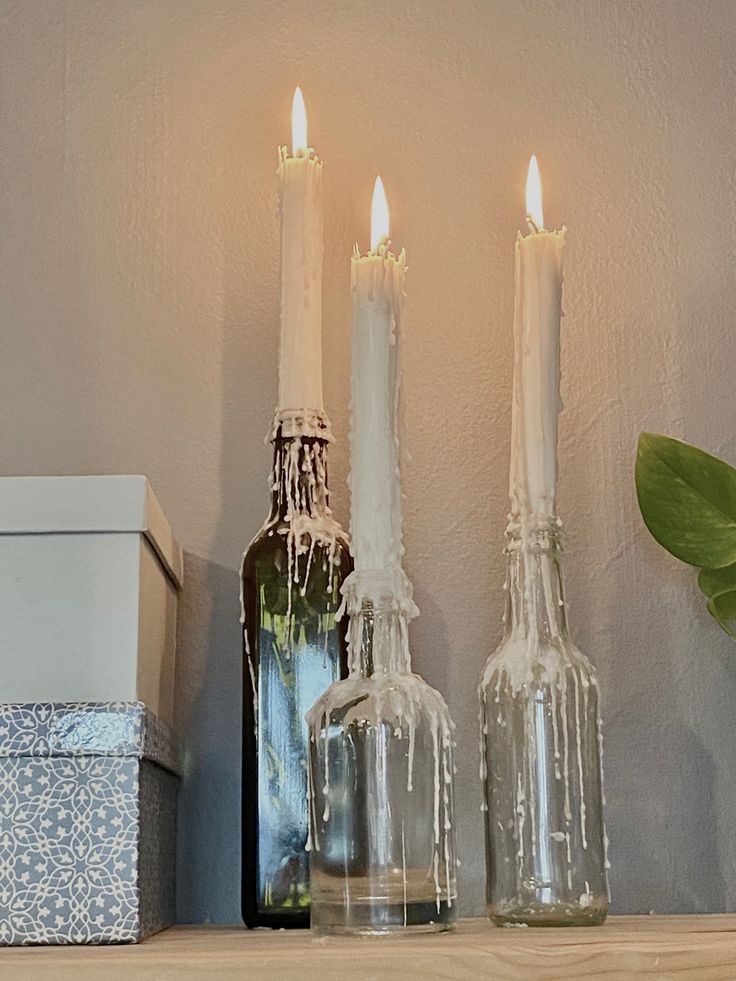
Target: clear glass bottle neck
{"points": [[299, 477], [378, 641], [535, 600]]}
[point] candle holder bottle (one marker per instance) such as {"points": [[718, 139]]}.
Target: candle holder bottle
{"points": [[382, 850], [541, 751], [293, 649]]}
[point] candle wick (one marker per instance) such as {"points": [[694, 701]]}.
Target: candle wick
{"points": [[533, 226], [381, 249]]}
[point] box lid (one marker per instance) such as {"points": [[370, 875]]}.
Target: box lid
{"points": [[86, 729], [46, 505]]}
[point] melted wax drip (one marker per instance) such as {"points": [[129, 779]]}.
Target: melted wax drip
{"points": [[520, 665], [309, 521]]}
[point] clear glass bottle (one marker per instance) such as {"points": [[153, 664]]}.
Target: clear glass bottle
{"points": [[293, 649], [541, 751], [382, 833]]}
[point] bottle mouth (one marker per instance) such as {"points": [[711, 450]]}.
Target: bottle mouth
{"points": [[296, 423], [378, 591], [540, 532]]}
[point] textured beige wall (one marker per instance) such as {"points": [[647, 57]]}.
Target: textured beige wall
{"points": [[139, 306]]}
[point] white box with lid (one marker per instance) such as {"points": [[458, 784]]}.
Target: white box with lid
{"points": [[89, 578]]}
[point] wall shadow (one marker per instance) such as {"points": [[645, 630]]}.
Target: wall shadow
{"points": [[665, 854], [208, 722]]}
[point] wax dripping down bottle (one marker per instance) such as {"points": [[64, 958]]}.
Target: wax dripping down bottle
{"points": [[541, 752], [293, 649], [383, 838]]}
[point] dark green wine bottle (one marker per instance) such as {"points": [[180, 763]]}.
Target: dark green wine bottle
{"points": [[293, 649]]}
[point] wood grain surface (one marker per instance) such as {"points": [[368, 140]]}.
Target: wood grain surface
{"points": [[697, 948]]}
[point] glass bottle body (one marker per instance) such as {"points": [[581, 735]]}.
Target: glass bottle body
{"points": [[382, 850], [541, 755], [293, 649]]}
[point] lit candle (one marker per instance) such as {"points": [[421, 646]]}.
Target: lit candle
{"points": [[378, 296], [536, 399], [300, 363]]}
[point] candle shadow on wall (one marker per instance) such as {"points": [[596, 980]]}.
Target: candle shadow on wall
{"points": [[664, 850], [706, 666], [429, 643], [663, 781], [208, 724], [454, 675], [210, 634]]}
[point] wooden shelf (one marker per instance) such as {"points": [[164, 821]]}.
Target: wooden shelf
{"points": [[701, 948]]}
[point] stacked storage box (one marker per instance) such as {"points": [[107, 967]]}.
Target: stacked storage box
{"points": [[89, 577]]}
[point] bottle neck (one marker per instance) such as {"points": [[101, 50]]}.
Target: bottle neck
{"points": [[299, 477], [535, 601], [378, 639]]}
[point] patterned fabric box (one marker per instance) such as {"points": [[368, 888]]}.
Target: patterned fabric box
{"points": [[87, 823]]}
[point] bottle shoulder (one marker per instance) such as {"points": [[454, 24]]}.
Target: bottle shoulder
{"points": [[319, 535], [381, 698], [266, 542], [526, 662], [293, 575]]}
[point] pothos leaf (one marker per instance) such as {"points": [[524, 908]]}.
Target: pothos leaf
{"points": [[715, 582], [688, 500], [719, 585], [723, 609]]}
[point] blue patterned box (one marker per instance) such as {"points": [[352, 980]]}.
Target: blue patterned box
{"points": [[87, 823]]}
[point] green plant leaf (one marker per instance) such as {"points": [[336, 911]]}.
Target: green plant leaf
{"points": [[688, 501], [723, 609], [719, 585], [714, 582]]}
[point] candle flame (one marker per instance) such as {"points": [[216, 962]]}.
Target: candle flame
{"points": [[534, 194], [379, 215], [298, 123]]}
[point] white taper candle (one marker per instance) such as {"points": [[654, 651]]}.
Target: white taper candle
{"points": [[300, 362], [536, 398], [375, 482]]}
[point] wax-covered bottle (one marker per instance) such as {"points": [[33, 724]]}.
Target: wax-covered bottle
{"points": [[293, 649], [381, 767], [540, 751]]}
